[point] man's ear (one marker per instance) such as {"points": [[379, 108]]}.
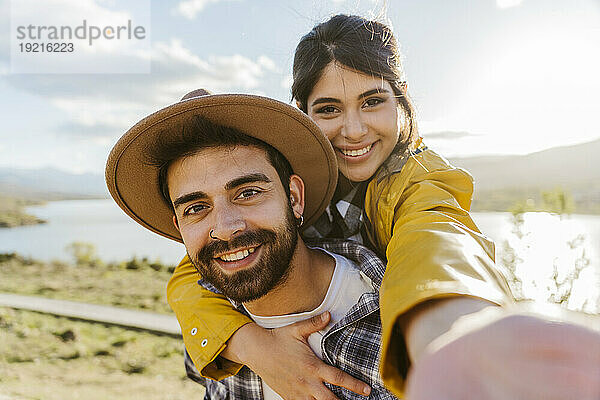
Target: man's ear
{"points": [[297, 195]]}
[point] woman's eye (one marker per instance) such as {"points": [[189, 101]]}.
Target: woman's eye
{"points": [[373, 101], [327, 110], [195, 209]]}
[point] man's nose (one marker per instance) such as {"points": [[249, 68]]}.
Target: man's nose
{"points": [[228, 222], [354, 128]]}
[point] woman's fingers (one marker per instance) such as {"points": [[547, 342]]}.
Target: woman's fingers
{"points": [[338, 377], [288, 365], [304, 329], [328, 373], [311, 372]]}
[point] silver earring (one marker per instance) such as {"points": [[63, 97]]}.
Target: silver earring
{"points": [[301, 221], [211, 234]]}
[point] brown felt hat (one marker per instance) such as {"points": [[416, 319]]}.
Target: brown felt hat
{"points": [[134, 184]]}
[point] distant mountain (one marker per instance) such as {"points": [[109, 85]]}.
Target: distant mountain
{"points": [[51, 184], [572, 168], [556, 166]]}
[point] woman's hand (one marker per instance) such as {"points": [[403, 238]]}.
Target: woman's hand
{"points": [[523, 356], [284, 360]]}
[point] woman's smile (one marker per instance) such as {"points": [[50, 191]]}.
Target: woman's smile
{"points": [[357, 153]]}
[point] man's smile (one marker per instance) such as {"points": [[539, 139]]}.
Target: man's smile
{"points": [[239, 259], [237, 254]]}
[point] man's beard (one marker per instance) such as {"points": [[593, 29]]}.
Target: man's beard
{"points": [[269, 271]]}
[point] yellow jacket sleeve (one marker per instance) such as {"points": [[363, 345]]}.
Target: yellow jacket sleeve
{"points": [[420, 221], [207, 321]]}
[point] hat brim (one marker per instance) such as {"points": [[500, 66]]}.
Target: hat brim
{"points": [[134, 183]]}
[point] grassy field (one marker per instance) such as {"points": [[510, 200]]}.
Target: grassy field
{"points": [[12, 212], [136, 284], [48, 357]]}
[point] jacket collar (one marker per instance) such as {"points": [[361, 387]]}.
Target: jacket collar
{"points": [[395, 161]]}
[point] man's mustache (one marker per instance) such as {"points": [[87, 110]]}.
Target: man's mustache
{"points": [[246, 239]]}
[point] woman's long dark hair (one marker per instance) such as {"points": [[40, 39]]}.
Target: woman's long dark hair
{"points": [[362, 45]]}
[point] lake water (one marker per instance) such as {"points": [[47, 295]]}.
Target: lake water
{"points": [[100, 222], [547, 241]]}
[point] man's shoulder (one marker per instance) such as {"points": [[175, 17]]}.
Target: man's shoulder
{"points": [[350, 249], [362, 257]]}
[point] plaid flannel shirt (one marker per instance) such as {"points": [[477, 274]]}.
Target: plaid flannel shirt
{"points": [[353, 344]]}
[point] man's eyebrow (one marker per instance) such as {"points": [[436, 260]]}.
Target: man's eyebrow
{"points": [[189, 197], [198, 195], [250, 178]]}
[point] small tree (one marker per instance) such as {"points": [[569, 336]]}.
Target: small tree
{"points": [[83, 253], [558, 201]]}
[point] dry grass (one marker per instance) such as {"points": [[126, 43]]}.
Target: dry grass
{"points": [[47, 357]]}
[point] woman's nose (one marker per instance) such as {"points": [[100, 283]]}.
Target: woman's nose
{"points": [[354, 128]]}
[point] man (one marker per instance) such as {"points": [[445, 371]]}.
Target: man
{"points": [[236, 204]]}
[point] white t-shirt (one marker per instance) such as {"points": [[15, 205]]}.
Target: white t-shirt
{"points": [[346, 286]]}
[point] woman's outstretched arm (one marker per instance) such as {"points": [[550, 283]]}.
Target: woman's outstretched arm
{"points": [[420, 221]]}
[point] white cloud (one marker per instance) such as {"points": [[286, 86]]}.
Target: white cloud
{"points": [[267, 63], [190, 8], [181, 70], [286, 82], [343, 1], [508, 3], [91, 116], [236, 70], [104, 106], [356, 2], [104, 55], [65, 12]]}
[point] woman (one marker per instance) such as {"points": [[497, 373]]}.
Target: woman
{"points": [[395, 196]]}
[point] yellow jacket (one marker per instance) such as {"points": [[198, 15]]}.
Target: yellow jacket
{"points": [[417, 217]]}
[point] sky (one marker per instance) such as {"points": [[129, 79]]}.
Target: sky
{"points": [[486, 76]]}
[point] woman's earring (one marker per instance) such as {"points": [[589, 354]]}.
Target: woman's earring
{"points": [[211, 234], [300, 221]]}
